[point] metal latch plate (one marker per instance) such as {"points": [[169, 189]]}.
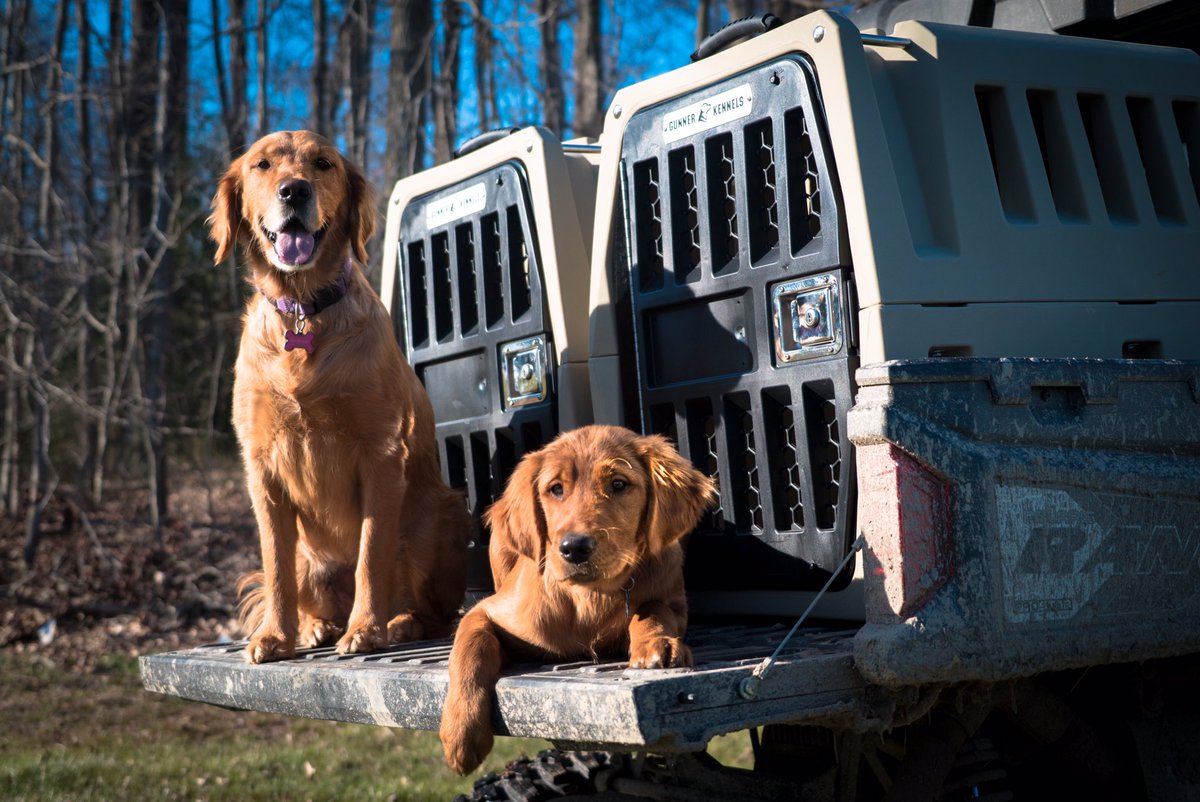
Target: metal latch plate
{"points": [[807, 316], [523, 371]]}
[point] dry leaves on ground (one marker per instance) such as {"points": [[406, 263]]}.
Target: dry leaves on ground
{"points": [[105, 582]]}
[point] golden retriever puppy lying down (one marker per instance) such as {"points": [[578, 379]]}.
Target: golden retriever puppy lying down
{"points": [[586, 560]]}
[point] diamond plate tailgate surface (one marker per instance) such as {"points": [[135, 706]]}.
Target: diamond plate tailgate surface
{"points": [[813, 680]]}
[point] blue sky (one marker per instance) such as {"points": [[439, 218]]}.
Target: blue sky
{"points": [[642, 41], [644, 44]]}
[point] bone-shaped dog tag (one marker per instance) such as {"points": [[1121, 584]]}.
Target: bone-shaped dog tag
{"points": [[293, 340]]}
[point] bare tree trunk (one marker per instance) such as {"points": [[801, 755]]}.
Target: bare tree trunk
{"points": [[10, 483], [703, 10], [232, 109], [788, 10], [142, 100], [50, 126], [219, 68], [445, 97], [589, 70], [233, 97], [49, 236], [118, 213], [83, 361], [738, 8], [356, 60], [12, 107], [409, 75], [169, 145], [319, 92], [485, 69], [146, 125], [39, 466], [83, 119], [7, 41], [238, 71], [210, 413], [264, 123], [549, 14]]}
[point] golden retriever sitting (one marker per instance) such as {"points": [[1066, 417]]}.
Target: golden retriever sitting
{"points": [[586, 561], [361, 540]]}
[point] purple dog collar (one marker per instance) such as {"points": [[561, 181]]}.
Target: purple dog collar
{"points": [[299, 337], [324, 299]]}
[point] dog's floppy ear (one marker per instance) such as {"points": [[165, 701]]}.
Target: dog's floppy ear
{"points": [[361, 226], [225, 222], [678, 493], [516, 519]]}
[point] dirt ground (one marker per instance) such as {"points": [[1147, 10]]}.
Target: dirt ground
{"points": [[105, 582], [108, 588]]}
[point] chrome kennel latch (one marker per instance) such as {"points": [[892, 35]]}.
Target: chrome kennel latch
{"points": [[807, 315], [523, 371]]}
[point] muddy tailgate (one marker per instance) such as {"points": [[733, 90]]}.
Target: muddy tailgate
{"points": [[813, 680]]}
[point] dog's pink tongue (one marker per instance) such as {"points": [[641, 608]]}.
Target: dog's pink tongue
{"points": [[294, 248]]}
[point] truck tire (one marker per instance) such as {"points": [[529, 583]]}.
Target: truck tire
{"points": [[979, 775], [553, 774]]}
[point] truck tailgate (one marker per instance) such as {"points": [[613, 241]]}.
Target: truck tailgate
{"points": [[1026, 515], [814, 680]]}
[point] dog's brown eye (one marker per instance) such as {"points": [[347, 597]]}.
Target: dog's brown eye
{"points": [[619, 484], [263, 164], [556, 490], [324, 164]]}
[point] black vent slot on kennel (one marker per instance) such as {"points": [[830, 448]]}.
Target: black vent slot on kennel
{"points": [[476, 330], [737, 304]]}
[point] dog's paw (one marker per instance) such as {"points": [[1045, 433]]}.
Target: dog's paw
{"points": [[659, 653], [265, 648], [316, 632], [405, 628], [466, 739], [362, 638]]}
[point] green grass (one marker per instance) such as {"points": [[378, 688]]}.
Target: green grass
{"points": [[100, 737], [67, 736]]}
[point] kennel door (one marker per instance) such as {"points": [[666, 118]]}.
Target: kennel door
{"points": [[740, 311], [476, 331]]}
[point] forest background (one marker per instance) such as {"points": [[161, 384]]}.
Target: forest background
{"points": [[117, 334]]}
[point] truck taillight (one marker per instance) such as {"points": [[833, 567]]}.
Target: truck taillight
{"points": [[905, 513]]}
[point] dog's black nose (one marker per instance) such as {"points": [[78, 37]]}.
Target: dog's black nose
{"points": [[576, 548], [294, 192]]}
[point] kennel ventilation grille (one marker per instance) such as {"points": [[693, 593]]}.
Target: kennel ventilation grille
{"points": [[476, 330], [728, 191]]}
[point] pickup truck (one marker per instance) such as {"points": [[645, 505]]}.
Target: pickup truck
{"points": [[927, 306]]}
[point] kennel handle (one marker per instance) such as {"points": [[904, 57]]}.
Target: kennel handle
{"points": [[739, 28], [486, 138]]}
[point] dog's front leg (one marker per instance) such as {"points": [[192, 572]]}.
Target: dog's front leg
{"points": [[656, 637], [275, 638], [383, 494], [475, 663]]}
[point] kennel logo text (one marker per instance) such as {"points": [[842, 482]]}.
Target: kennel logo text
{"points": [[456, 206], [732, 104]]}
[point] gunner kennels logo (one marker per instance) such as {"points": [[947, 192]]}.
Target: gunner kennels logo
{"points": [[457, 206], [730, 105]]}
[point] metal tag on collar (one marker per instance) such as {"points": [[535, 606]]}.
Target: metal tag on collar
{"points": [[299, 337]]}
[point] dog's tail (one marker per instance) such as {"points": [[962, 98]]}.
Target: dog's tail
{"points": [[252, 604]]}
